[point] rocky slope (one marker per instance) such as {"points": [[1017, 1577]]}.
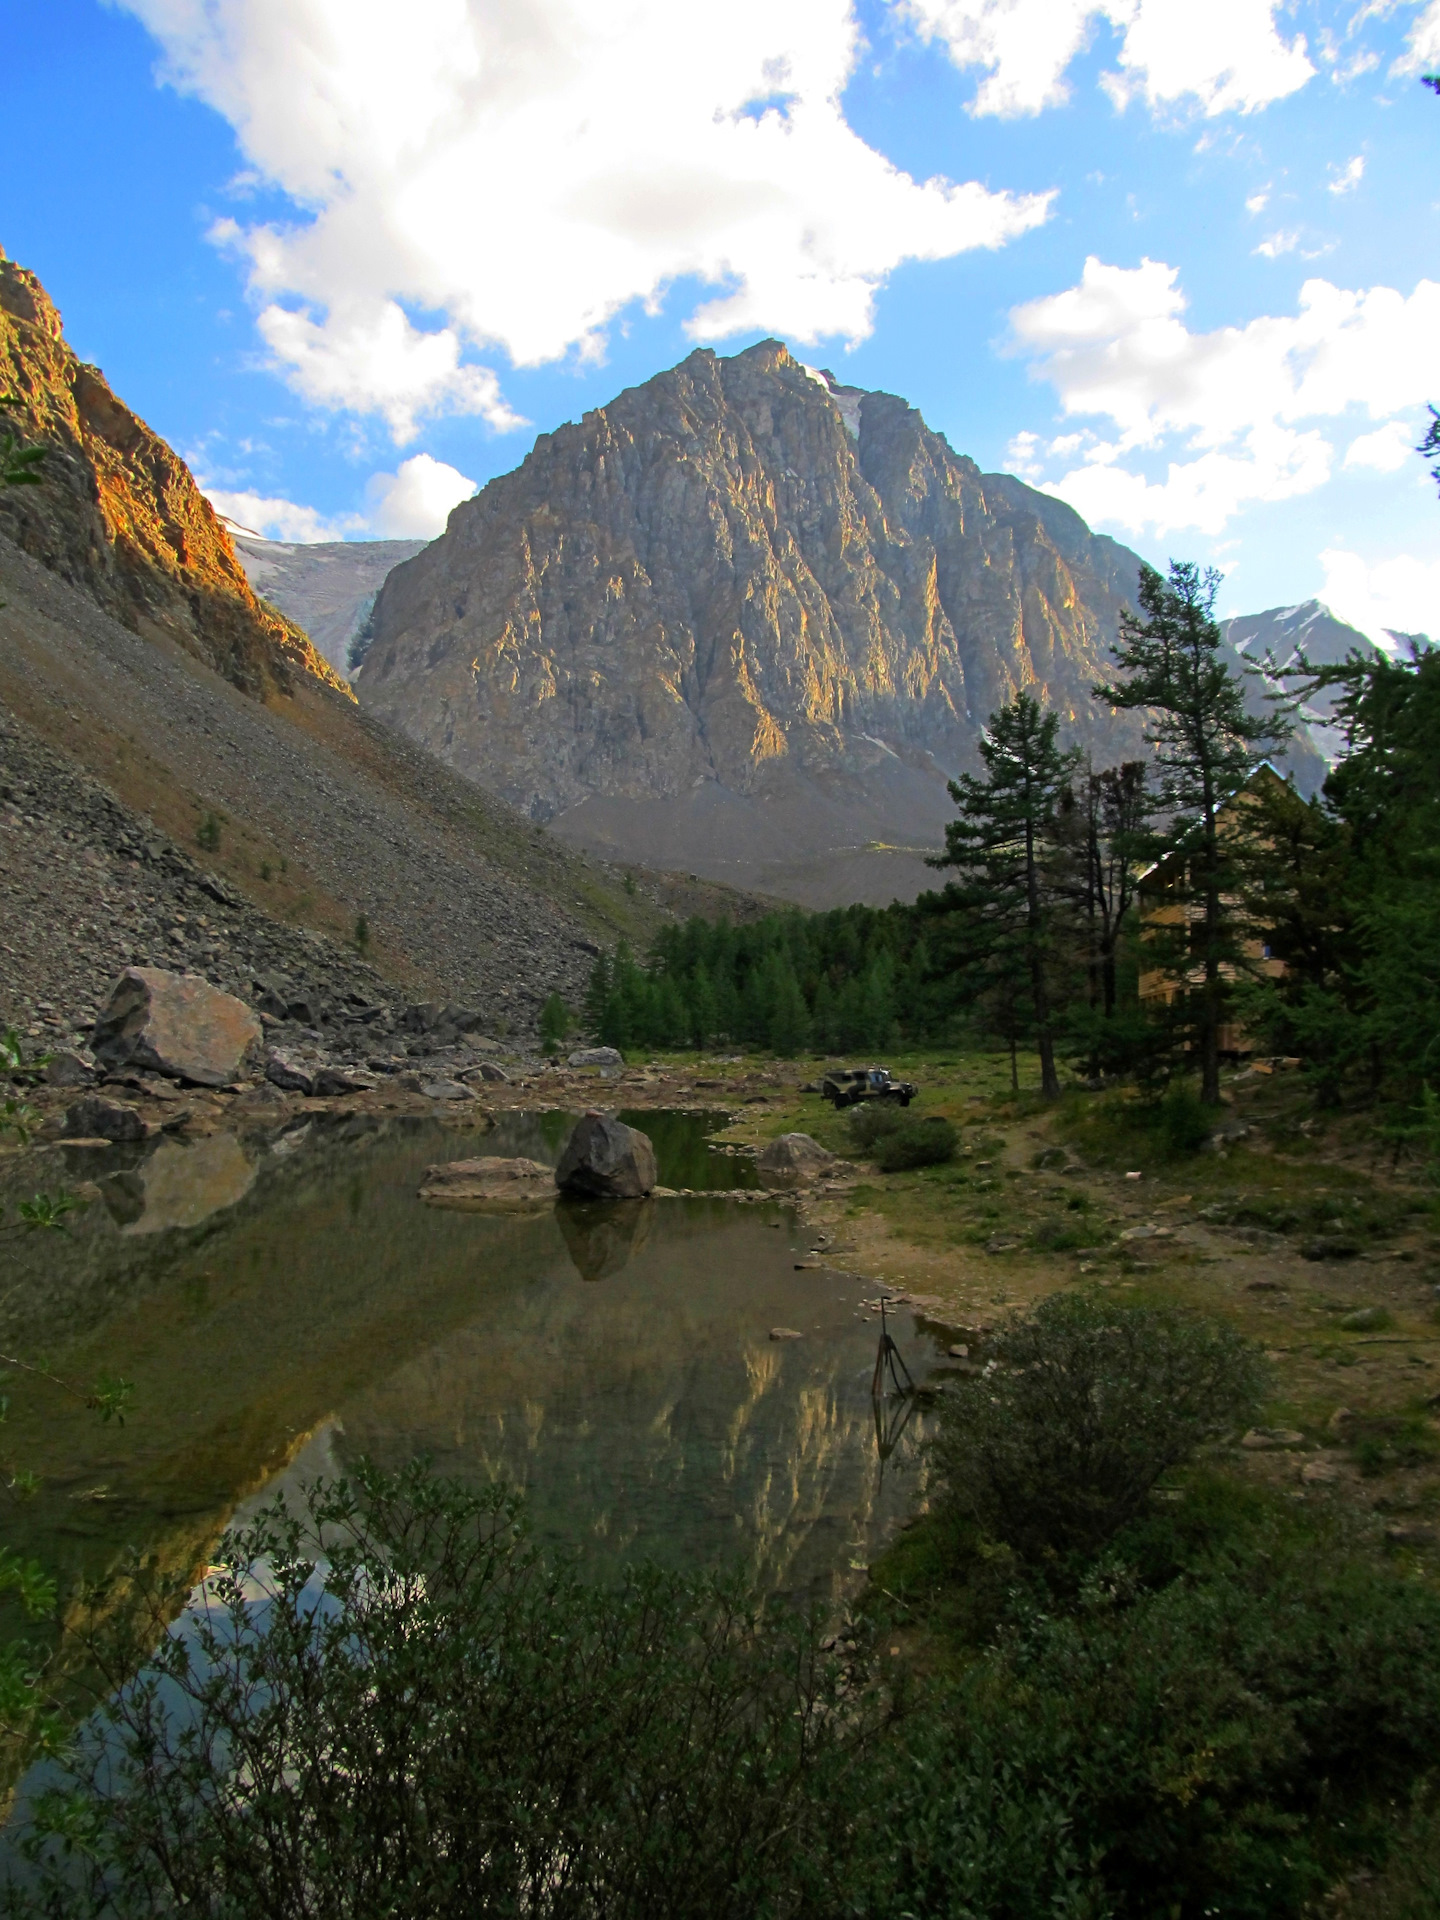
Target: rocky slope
{"points": [[747, 621], [307, 813], [119, 514], [327, 588]]}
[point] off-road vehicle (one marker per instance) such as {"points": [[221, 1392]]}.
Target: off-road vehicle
{"points": [[849, 1086]]}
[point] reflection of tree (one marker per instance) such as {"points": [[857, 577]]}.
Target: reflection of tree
{"points": [[603, 1236]]}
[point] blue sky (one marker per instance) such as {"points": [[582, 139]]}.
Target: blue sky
{"points": [[1175, 262]]}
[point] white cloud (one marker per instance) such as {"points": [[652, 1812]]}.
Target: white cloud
{"points": [[1398, 595], [411, 503], [415, 502], [510, 174], [1387, 450], [1228, 409], [1422, 44], [1227, 54], [1345, 179], [1258, 202], [275, 519], [1284, 241]]}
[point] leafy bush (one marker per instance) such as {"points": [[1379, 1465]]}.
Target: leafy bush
{"points": [[1058, 1445], [916, 1143], [433, 1721]]}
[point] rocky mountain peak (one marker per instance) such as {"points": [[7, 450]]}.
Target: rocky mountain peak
{"points": [[119, 514], [744, 604]]}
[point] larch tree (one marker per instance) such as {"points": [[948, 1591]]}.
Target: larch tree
{"points": [[1004, 846], [1206, 744]]}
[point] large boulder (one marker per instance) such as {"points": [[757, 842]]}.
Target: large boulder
{"points": [[490, 1179], [596, 1057], [177, 1024], [792, 1160], [606, 1160]]}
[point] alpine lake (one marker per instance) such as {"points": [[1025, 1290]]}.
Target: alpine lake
{"points": [[283, 1305]]}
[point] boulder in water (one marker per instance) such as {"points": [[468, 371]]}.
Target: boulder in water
{"points": [[606, 1160], [179, 1025], [490, 1179]]}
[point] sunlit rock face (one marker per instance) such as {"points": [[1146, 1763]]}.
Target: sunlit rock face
{"points": [[743, 604], [118, 513]]}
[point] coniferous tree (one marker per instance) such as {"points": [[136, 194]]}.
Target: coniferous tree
{"points": [[1004, 844], [1206, 744]]}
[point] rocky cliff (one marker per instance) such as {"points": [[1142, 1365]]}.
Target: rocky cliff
{"points": [[119, 514], [747, 620]]}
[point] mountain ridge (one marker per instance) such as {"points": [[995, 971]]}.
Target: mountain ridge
{"points": [[720, 581]]}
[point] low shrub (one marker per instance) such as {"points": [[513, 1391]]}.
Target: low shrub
{"points": [[1185, 1122], [871, 1123], [917, 1143], [1088, 1405], [435, 1721]]}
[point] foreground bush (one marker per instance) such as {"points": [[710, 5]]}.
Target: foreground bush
{"points": [[430, 1720], [1054, 1448], [919, 1143], [433, 1721], [897, 1140]]}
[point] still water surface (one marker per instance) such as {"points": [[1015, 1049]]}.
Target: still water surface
{"points": [[286, 1305]]}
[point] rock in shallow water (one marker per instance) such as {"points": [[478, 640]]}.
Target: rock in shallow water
{"points": [[508, 1182], [606, 1160], [179, 1025]]}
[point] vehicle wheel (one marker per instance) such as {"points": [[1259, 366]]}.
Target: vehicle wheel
{"points": [[904, 1099]]}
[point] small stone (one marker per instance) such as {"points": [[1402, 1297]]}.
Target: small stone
{"points": [[958, 1352], [332, 1081], [1319, 1473], [596, 1057], [492, 1070], [1410, 1535], [97, 1118], [288, 1072], [1366, 1320], [999, 1244], [66, 1068], [1265, 1439], [786, 1333], [446, 1090], [1134, 1176]]}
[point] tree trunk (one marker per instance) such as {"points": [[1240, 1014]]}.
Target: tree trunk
{"points": [[1040, 998], [1014, 1065]]}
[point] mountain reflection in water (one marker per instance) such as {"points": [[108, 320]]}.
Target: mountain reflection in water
{"points": [[613, 1361]]}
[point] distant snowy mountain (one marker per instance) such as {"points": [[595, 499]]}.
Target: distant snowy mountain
{"points": [[1285, 634], [328, 588]]}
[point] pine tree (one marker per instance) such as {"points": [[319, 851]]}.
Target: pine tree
{"points": [[1206, 744], [1005, 847]]}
